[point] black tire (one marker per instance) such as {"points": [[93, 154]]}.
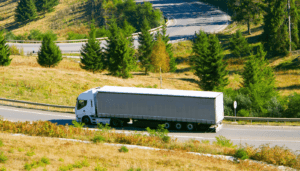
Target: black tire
{"points": [[115, 122], [190, 127], [167, 125], [86, 120], [178, 126]]}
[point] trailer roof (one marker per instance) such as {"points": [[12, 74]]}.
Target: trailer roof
{"points": [[134, 90]]}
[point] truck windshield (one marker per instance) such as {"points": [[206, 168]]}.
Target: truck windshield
{"points": [[81, 104]]}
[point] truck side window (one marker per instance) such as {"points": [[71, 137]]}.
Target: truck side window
{"points": [[81, 104]]}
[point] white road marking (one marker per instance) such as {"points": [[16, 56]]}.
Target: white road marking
{"points": [[232, 139], [38, 113], [269, 130]]}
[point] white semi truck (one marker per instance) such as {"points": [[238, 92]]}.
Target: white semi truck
{"points": [[177, 109]]}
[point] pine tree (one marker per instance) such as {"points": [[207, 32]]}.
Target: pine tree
{"points": [[246, 11], [259, 80], [159, 56], [46, 5], [4, 51], [166, 39], [25, 11], [275, 35], [49, 54], [207, 62], [239, 45], [200, 51], [294, 27], [145, 47], [120, 52], [92, 56], [218, 74]]}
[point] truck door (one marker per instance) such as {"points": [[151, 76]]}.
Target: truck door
{"points": [[80, 109]]}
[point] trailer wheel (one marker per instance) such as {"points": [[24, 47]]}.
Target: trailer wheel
{"points": [[190, 127], [178, 126], [167, 125], [115, 122], [86, 120]]}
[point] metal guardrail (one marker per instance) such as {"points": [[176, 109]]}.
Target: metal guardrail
{"points": [[36, 104], [80, 40]]}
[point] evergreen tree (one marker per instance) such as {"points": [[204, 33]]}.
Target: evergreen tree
{"points": [[46, 5], [120, 52], [246, 11], [25, 11], [294, 27], [145, 47], [159, 56], [259, 80], [207, 62], [49, 54], [4, 51], [275, 35], [200, 51], [239, 45], [166, 39], [92, 56]]}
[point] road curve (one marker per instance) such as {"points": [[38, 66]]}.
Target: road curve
{"points": [[186, 18], [255, 135]]}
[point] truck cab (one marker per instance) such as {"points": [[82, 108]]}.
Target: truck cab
{"points": [[86, 108]]}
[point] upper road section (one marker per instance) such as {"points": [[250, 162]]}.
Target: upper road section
{"points": [[187, 17]]}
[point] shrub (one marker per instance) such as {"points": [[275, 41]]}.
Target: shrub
{"points": [[99, 168], [105, 128], [11, 150], [228, 103], [16, 51], [30, 153], [66, 168], [222, 141], [293, 110], [3, 168], [45, 160], [205, 141], [241, 154], [243, 113], [75, 36], [61, 159], [243, 102], [77, 125], [160, 132], [101, 32], [81, 164], [35, 34], [1, 143], [20, 149], [3, 158], [98, 139], [275, 108], [10, 36], [22, 36], [123, 149]]}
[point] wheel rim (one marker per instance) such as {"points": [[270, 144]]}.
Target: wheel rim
{"points": [[190, 127], [178, 126], [167, 125], [86, 120]]}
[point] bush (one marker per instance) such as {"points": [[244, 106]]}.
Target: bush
{"points": [[10, 36], [20, 149], [241, 154], [61, 159], [3, 168], [99, 168], [30, 153], [228, 105], [3, 158], [1, 143], [16, 51], [101, 32], [35, 34], [293, 110], [123, 149], [75, 36], [243, 113], [77, 125], [66, 168], [105, 128], [222, 141], [160, 132], [98, 139], [275, 108], [22, 36], [11, 150], [243, 102]]}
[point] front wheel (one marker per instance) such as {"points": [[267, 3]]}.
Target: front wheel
{"points": [[86, 120]]}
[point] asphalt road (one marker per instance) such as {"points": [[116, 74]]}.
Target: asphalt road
{"points": [[186, 18], [252, 135]]}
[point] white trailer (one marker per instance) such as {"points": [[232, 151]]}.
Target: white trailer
{"points": [[178, 109]]}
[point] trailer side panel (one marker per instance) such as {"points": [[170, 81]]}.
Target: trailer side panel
{"points": [[156, 107]]}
